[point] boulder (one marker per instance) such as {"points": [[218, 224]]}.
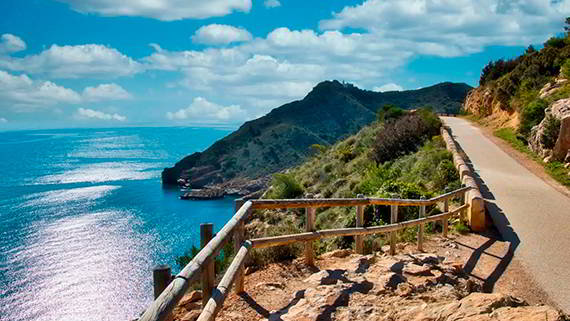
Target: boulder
{"points": [[552, 87], [560, 110]]}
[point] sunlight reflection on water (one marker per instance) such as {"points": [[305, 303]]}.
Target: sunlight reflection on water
{"points": [[74, 267]]}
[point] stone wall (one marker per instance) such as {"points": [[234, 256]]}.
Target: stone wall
{"points": [[476, 211]]}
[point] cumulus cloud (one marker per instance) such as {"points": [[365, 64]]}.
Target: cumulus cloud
{"points": [[454, 27], [10, 43], [21, 93], [272, 3], [216, 34], [89, 60], [105, 92], [204, 111], [161, 9], [388, 87], [86, 113], [3, 120]]}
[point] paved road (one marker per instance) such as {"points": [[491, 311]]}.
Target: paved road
{"points": [[527, 211]]}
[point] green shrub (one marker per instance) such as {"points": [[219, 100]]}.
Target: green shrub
{"points": [[551, 132], [531, 115], [222, 261], [565, 70], [389, 111], [285, 186]]}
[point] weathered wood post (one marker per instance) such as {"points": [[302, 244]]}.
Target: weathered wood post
{"points": [[445, 220], [421, 227], [310, 227], [161, 276], [239, 238], [208, 273], [393, 220], [359, 239]]}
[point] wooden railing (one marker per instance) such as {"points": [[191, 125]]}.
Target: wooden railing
{"points": [[202, 263]]}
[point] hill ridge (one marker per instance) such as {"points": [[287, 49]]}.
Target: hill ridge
{"points": [[280, 139]]}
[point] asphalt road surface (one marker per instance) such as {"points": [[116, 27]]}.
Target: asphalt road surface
{"points": [[528, 212]]}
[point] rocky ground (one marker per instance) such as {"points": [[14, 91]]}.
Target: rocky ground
{"points": [[447, 282]]}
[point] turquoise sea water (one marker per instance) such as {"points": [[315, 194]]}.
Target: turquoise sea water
{"points": [[84, 217]]}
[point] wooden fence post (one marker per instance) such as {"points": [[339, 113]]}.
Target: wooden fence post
{"points": [[393, 220], [421, 228], [239, 238], [359, 240], [161, 276], [310, 227], [208, 273], [445, 220]]}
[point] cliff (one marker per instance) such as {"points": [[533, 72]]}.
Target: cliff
{"points": [[281, 139], [530, 95]]}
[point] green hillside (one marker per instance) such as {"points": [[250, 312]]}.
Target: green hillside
{"points": [[281, 139]]}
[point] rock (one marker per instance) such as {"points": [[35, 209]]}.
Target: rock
{"points": [[325, 277], [316, 301], [342, 253], [271, 285], [191, 316], [414, 269], [547, 159], [428, 258], [404, 289], [191, 297], [559, 110], [528, 313], [388, 281], [203, 194], [552, 87]]}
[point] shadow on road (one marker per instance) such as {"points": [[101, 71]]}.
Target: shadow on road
{"points": [[501, 230]]}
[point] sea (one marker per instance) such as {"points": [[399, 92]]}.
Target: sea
{"points": [[84, 218]]}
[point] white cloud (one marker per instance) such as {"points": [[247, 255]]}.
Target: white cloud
{"points": [[89, 60], [86, 113], [10, 43], [161, 9], [388, 87], [215, 34], [272, 3], [21, 93], [105, 92], [203, 111], [454, 27], [3, 120]]}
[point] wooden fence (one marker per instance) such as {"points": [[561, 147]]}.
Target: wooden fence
{"points": [[202, 264]]}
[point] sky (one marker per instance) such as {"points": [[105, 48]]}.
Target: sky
{"points": [[107, 63]]}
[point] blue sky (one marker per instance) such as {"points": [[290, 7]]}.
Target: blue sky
{"points": [[99, 63]]}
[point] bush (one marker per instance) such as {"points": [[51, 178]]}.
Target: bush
{"points": [[531, 115], [388, 112], [551, 132], [222, 261], [565, 70], [404, 135], [285, 186]]}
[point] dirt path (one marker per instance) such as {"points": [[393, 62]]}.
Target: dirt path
{"points": [[527, 211]]}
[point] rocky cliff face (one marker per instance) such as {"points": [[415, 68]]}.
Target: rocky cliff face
{"points": [[485, 102], [281, 139], [551, 138]]}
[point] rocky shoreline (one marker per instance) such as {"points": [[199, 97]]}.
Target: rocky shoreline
{"points": [[242, 187]]}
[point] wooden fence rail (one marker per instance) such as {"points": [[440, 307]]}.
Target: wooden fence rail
{"points": [[162, 306]]}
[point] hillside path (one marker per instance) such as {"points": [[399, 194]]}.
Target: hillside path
{"points": [[528, 212]]}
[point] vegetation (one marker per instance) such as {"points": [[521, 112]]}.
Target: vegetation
{"points": [[352, 167], [281, 139], [222, 262], [284, 186]]}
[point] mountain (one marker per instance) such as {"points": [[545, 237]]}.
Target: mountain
{"points": [[282, 138]]}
